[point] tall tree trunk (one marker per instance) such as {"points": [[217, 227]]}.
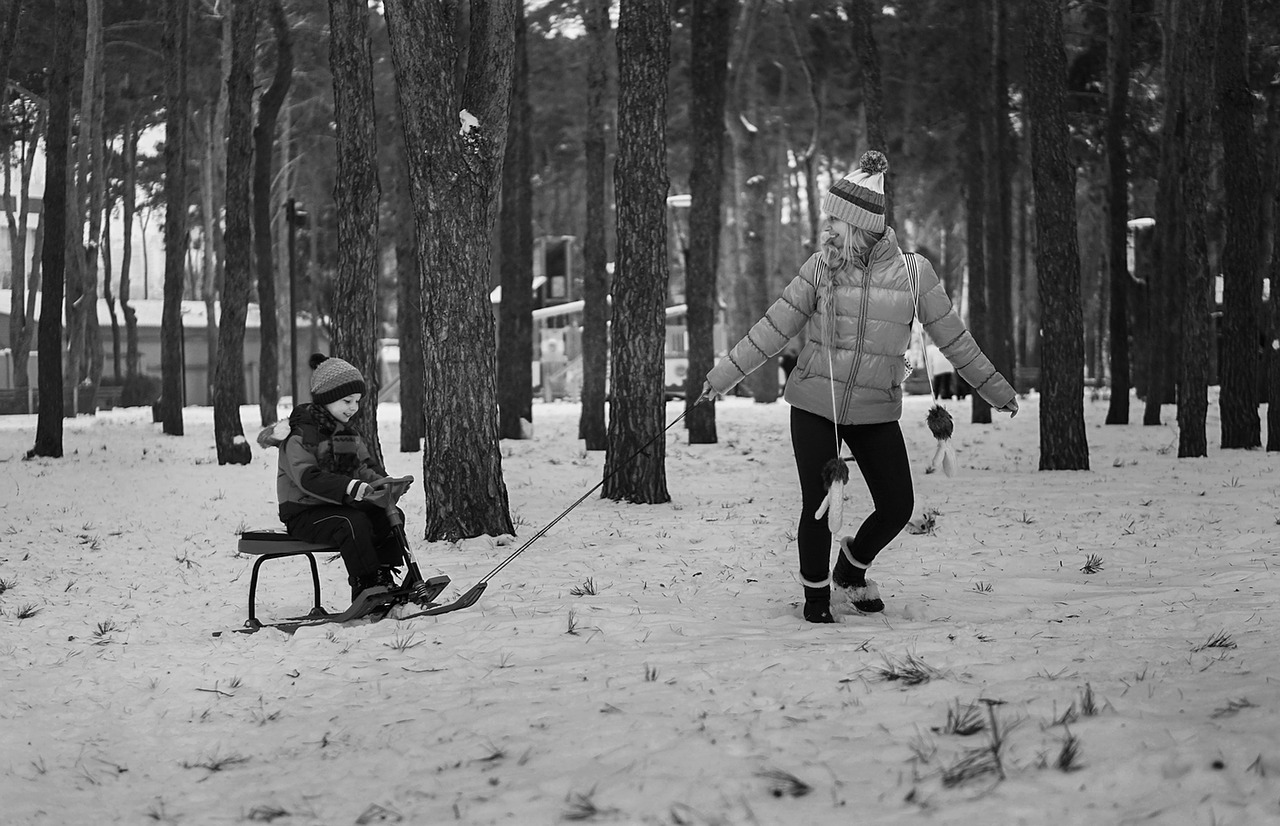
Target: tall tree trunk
{"points": [[97, 196], [867, 53], [515, 222], [48, 440], [1118, 27], [755, 184], [356, 194], [129, 207], [708, 75], [228, 382], [998, 340], [976, 160], [595, 280], [1271, 208], [455, 139], [8, 38], [1240, 357], [409, 320], [1195, 130], [263, 172], [172, 369], [80, 301], [635, 462], [26, 282], [1063, 443], [1165, 279]]}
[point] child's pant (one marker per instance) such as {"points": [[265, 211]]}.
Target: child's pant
{"points": [[881, 455], [363, 535]]}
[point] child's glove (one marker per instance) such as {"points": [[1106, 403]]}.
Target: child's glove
{"points": [[394, 486]]}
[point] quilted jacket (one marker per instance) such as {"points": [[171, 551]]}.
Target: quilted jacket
{"points": [[857, 323], [322, 461]]}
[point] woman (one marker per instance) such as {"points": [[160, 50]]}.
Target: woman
{"points": [[856, 299]]}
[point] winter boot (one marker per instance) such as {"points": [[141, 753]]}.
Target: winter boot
{"points": [[817, 605], [851, 577]]}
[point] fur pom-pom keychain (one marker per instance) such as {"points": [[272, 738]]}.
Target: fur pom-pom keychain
{"points": [[941, 426], [835, 474]]}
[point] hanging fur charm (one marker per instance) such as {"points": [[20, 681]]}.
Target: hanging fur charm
{"points": [[834, 476], [941, 426]]}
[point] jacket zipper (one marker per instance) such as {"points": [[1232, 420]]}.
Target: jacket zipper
{"points": [[857, 351]]}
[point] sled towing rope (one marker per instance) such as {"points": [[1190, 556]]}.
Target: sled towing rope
{"points": [[473, 594]]}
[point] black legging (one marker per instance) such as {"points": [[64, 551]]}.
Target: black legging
{"points": [[363, 535], [881, 454]]}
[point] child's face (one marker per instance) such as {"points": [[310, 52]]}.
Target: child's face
{"points": [[344, 408]]}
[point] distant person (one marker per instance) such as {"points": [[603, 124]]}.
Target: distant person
{"points": [[855, 299], [944, 375], [331, 489]]}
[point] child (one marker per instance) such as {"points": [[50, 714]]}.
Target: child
{"points": [[330, 488]]}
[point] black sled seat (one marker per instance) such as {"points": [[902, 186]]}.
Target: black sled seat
{"points": [[272, 544]]}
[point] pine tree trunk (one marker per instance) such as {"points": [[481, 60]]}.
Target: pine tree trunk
{"points": [[1240, 357], [867, 54], [22, 325], [228, 382], [515, 319], [708, 74], [1063, 443], [409, 321], [975, 161], [1118, 26], [177, 27], [455, 161], [48, 441], [635, 468], [1196, 130], [356, 193], [1271, 208], [129, 206], [263, 172], [998, 337], [592, 427]]}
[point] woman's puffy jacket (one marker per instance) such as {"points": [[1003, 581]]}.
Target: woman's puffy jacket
{"points": [[857, 325]]}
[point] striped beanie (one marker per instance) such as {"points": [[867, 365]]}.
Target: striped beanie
{"points": [[858, 198], [333, 379]]}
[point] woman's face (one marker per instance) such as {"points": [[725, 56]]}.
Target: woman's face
{"points": [[833, 232], [344, 408]]}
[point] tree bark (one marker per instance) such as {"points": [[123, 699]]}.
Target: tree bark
{"points": [[172, 392], [263, 173], [635, 460], [1118, 26], [1271, 207], [454, 138], [97, 196], [1195, 130], [228, 383], [1063, 443], [1240, 354], [998, 337], [593, 426], [409, 321], [356, 195], [48, 441], [712, 22], [976, 162], [515, 313], [867, 53]]}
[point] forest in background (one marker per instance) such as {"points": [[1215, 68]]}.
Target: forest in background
{"points": [[1032, 145]]}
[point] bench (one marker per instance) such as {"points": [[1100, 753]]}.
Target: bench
{"points": [[273, 544]]}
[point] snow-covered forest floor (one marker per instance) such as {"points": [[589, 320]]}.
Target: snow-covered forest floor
{"points": [[1062, 647]]}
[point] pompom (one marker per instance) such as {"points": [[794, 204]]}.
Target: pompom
{"points": [[939, 421], [317, 359], [835, 470], [873, 162]]}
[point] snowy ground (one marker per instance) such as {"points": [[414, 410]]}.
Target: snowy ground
{"points": [[648, 664]]}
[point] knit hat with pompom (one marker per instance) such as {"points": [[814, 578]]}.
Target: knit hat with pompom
{"points": [[858, 198], [333, 379]]}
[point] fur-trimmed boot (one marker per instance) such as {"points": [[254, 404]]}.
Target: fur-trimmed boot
{"points": [[851, 578]]}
